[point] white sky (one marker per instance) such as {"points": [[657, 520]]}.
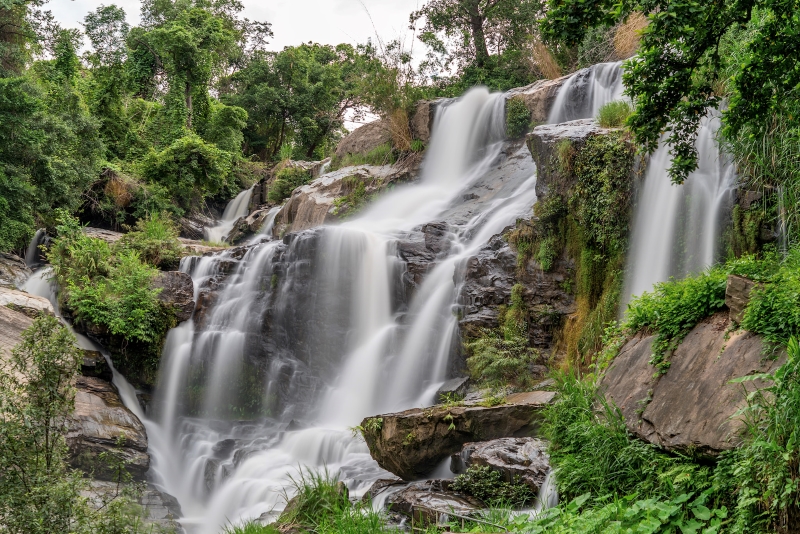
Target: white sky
{"points": [[293, 21]]}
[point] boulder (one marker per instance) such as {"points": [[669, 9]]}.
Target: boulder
{"points": [[99, 422], [194, 225], [12, 324], [421, 122], [690, 408], [431, 501], [30, 305], [412, 443], [158, 509], [95, 365], [453, 388], [13, 271], [539, 97], [737, 296], [364, 138], [177, 290], [523, 459]]}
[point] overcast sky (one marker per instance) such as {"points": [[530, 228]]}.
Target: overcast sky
{"points": [[293, 21]]}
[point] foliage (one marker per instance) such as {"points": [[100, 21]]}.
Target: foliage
{"points": [[672, 79], [286, 181], [380, 155], [673, 308], [518, 118], [614, 114], [488, 485], [155, 240]]}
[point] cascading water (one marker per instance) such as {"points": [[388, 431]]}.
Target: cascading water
{"points": [[585, 92], [320, 330], [238, 207]]}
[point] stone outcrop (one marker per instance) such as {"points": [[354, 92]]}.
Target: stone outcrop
{"points": [[195, 248], [691, 407], [412, 443], [193, 227], [30, 305], [177, 291], [421, 122], [12, 324], [737, 295], [428, 501], [523, 459], [158, 508], [364, 138], [13, 271], [539, 97], [453, 388], [247, 226], [99, 422], [313, 204]]}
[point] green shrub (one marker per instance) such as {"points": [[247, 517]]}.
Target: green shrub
{"points": [[287, 180], [614, 114], [155, 239], [380, 155], [486, 484], [518, 118], [355, 198], [673, 308]]}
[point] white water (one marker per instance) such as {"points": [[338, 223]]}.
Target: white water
{"points": [[586, 91], [238, 207], [33, 254], [319, 380], [676, 229]]}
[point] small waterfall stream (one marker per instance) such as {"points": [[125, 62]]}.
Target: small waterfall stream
{"points": [[238, 207], [586, 91], [339, 341]]}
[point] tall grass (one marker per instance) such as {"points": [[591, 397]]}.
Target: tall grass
{"points": [[614, 114]]}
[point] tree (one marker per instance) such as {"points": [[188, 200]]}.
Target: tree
{"points": [[679, 71]]}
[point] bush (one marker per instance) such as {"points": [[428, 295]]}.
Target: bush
{"points": [[486, 484], [380, 155], [155, 239], [518, 118], [287, 180], [614, 114]]}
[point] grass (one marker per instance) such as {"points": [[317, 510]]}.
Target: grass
{"points": [[380, 155], [614, 114]]}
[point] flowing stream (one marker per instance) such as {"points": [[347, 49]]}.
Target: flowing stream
{"points": [[315, 332], [238, 207]]}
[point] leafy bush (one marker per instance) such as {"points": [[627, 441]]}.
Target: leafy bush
{"points": [[155, 239], [518, 118], [380, 155], [614, 114], [673, 308], [287, 180], [486, 484]]}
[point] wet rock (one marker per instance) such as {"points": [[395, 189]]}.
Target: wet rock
{"points": [[364, 138], [453, 388], [177, 291], [95, 365], [437, 238], [13, 271], [691, 407], [539, 97], [431, 501], [245, 227], [421, 122], [737, 295], [380, 486], [412, 443], [523, 459], [194, 226], [30, 305], [102, 424]]}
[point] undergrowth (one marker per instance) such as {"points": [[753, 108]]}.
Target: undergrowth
{"points": [[614, 114], [486, 484], [287, 180], [380, 155], [518, 118]]}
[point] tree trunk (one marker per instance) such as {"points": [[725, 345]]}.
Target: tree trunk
{"points": [[188, 91], [476, 19]]}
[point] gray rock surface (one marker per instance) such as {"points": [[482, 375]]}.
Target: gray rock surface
{"points": [[737, 295], [412, 443], [12, 324], [539, 97], [159, 509], [30, 305], [177, 290], [13, 271], [453, 388], [364, 138], [99, 422], [523, 459], [430, 501], [691, 407]]}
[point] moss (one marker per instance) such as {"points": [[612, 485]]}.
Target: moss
{"points": [[745, 230]]}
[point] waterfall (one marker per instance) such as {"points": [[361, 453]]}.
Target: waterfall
{"points": [[322, 328], [33, 255], [676, 229], [238, 207], [585, 92]]}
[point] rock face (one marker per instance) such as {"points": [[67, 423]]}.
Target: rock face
{"points": [[455, 387], [159, 509], [737, 296], [412, 443], [539, 97], [177, 290], [12, 324], [421, 122], [98, 422], [690, 408], [13, 271], [313, 204], [523, 459], [30, 305], [365, 138], [428, 501]]}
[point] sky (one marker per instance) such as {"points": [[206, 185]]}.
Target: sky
{"points": [[293, 21]]}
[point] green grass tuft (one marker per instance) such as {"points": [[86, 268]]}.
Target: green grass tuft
{"points": [[614, 114]]}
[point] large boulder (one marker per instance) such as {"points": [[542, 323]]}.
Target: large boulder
{"points": [[737, 296], [30, 305], [102, 424], [364, 138], [523, 459], [412, 443], [431, 501], [13, 271], [12, 324], [177, 291], [691, 408], [539, 97]]}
